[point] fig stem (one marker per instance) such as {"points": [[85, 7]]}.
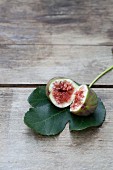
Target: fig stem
{"points": [[100, 75]]}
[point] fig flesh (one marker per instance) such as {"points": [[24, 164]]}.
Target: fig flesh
{"points": [[85, 101], [61, 91]]}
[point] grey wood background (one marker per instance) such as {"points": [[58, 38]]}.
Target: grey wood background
{"points": [[40, 39]]}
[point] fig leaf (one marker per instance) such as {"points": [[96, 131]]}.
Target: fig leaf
{"points": [[46, 119]]}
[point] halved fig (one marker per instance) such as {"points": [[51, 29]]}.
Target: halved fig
{"points": [[85, 101], [61, 91]]}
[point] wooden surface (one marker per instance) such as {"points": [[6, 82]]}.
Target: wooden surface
{"points": [[40, 39], [56, 22], [28, 64], [22, 149]]}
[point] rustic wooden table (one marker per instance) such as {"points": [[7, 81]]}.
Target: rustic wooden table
{"points": [[40, 39]]}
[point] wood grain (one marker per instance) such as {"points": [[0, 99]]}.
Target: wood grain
{"points": [[40, 39], [56, 22], [21, 149], [36, 64]]}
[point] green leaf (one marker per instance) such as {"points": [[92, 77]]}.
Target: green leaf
{"points": [[38, 97], [46, 119]]}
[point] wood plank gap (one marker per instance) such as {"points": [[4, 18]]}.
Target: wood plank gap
{"points": [[36, 85], [80, 45]]}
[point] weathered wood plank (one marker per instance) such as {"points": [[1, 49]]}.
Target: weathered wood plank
{"points": [[22, 64], [56, 22], [21, 149]]}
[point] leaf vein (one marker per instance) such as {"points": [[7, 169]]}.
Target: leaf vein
{"points": [[49, 117]]}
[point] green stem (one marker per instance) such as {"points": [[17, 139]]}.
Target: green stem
{"points": [[107, 70]]}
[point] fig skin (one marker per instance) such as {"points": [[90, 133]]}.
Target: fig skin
{"points": [[55, 79], [89, 105]]}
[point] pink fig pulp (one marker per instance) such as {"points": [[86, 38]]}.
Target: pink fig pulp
{"points": [[85, 101], [61, 91]]}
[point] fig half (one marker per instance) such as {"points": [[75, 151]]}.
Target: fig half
{"points": [[85, 101], [61, 91]]}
